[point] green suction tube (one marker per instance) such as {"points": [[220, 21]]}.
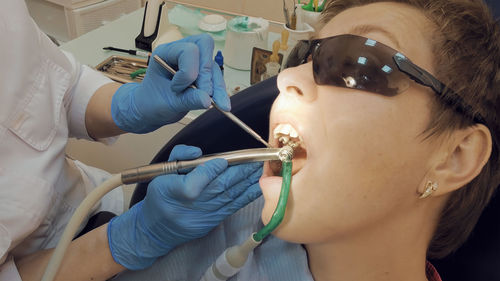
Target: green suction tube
{"points": [[279, 212], [321, 7], [309, 6]]}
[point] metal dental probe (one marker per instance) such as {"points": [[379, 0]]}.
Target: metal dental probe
{"points": [[229, 115]]}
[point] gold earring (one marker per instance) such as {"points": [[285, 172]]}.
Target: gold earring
{"points": [[430, 187]]}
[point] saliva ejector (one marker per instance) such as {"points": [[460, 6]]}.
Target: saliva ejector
{"points": [[230, 262], [233, 259]]}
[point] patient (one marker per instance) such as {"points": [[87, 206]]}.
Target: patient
{"points": [[395, 165]]}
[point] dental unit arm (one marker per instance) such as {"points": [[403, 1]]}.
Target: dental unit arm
{"points": [[146, 173]]}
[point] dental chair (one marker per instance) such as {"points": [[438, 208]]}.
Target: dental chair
{"points": [[477, 260], [495, 7]]}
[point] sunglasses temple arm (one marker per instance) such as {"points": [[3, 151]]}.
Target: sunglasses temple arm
{"points": [[447, 95], [296, 57], [418, 74]]}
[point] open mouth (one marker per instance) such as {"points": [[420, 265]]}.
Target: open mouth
{"points": [[286, 134]]}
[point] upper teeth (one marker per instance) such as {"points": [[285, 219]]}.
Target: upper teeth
{"points": [[284, 132]]}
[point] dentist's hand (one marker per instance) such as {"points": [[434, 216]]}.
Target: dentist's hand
{"points": [[179, 208], [162, 99]]}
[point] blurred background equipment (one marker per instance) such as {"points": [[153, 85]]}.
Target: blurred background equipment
{"points": [[65, 20]]}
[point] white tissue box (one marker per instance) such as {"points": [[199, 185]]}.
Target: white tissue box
{"points": [[67, 19]]}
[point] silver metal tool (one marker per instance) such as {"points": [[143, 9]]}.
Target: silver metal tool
{"points": [[146, 173], [229, 115], [285, 14]]}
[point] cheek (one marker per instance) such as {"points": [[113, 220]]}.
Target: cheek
{"points": [[370, 148], [367, 166], [372, 133], [376, 149]]}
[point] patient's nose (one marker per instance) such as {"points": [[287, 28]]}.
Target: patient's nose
{"points": [[298, 82]]}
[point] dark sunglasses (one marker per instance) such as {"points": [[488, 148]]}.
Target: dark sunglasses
{"points": [[352, 61]]}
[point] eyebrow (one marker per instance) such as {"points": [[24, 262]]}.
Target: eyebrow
{"points": [[367, 28]]}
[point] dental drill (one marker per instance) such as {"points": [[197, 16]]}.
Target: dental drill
{"points": [[146, 173]]}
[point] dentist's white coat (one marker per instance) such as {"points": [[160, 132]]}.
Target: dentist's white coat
{"points": [[43, 98]]}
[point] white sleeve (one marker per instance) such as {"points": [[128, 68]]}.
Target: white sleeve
{"points": [[86, 83], [8, 271]]}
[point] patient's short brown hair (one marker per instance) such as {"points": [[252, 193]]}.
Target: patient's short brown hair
{"points": [[467, 58]]}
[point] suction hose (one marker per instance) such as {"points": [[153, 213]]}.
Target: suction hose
{"points": [[76, 220], [233, 259], [279, 212]]}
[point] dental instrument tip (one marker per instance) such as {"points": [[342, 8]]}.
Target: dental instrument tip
{"points": [[264, 142], [242, 125]]}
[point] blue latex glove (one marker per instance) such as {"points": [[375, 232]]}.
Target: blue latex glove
{"points": [[161, 99], [179, 208]]}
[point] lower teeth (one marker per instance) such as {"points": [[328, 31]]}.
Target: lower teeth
{"points": [[284, 140], [287, 141]]}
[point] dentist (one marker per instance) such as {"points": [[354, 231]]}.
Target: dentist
{"points": [[46, 96]]}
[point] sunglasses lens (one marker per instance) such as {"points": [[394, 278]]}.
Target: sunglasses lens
{"points": [[297, 54], [356, 62], [351, 61]]}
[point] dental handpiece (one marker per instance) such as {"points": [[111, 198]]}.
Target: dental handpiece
{"points": [[229, 115], [147, 173]]}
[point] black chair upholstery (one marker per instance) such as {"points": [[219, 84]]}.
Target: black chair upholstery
{"points": [[495, 7], [479, 258], [213, 132]]}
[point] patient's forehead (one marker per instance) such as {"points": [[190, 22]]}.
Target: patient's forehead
{"points": [[397, 25]]}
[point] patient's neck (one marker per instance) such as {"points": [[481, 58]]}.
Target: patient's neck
{"points": [[380, 253]]}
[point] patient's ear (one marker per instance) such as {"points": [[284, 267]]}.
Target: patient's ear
{"points": [[464, 155]]}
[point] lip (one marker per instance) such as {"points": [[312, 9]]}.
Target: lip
{"points": [[283, 118]]}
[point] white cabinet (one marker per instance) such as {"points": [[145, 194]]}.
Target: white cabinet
{"points": [[68, 19]]}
